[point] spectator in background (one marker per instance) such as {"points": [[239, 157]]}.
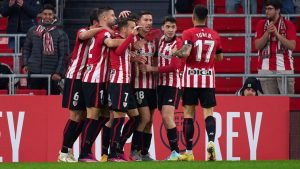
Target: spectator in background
{"points": [[45, 51], [251, 87], [232, 6], [297, 6], [275, 41], [21, 16]]}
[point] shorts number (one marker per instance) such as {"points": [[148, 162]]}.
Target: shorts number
{"points": [[126, 97], [76, 96], [140, 95]]}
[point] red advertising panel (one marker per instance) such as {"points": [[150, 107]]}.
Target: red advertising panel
{"points": [[248, 128]]}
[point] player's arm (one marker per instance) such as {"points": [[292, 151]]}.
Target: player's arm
{"points": [[261, 37], [219, 56], [175, 64], [184, 52], [84, 35], [113, 43], [123, 46], [290, 41], [219, 51]]}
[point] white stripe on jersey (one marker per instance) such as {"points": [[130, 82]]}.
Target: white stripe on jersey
{"points": [[265, 64], [82, 65], [280, 62], [120, 77]]}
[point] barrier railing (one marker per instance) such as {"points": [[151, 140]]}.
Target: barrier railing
{"points": [[13, 79]]}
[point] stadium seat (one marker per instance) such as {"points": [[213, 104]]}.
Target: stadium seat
{"points": [[229, 25], [294, 103], [230, 65], [3, 25], [253, 64], [233, 44], [297, 64], [228, 85], [3, 92], [9, 60], [31, 91], [297, 85], [183, 23]]}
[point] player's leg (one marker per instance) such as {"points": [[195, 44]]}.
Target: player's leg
{"points": [[91, 95], [151, 96], [133, 121], [208, 102], [118, 101], [106, 138], [190, 100], [168, 99], [137, 137], [74, 101]]}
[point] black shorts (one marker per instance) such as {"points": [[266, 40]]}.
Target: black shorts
{"points": [[121, 97], [146, 97], [167, 95], [95, 94], [206, 96], [73, 98]]}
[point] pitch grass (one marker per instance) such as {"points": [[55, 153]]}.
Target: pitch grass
{"points": [[291, 164]]}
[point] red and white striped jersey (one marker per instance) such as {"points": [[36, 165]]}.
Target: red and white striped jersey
{"points": [[278, 57], [164, 58], [120, 66], [199, 67], [98, 60], [145, 80], [78, 58]]}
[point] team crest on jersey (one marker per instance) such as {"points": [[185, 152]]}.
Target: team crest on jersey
{"points": [[139, 101], [75, 103], [109, 101], [124, 104]]}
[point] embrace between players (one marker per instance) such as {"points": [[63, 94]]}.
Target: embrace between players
{"points": [[131, 70]]}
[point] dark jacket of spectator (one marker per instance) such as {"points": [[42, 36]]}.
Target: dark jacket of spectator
{"points": [[33, 51], [20, 19]]}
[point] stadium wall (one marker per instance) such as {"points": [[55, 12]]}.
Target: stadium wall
{"points": [[248, 128]]}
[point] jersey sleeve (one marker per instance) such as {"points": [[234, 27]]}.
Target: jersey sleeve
{"points": [[259, 29], [175, 64], [122, 48], [291, 31], [187, 37]]}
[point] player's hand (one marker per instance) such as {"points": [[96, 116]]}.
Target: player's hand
{"points": [[56, 77], [174, 49], [11, 2], [124, 14], [145, 68], [20, 2], [25, 69], [271, 27], [135, 30], [139, 44]]}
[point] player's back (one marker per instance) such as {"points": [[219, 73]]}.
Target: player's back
{"points": [[205, 43]]}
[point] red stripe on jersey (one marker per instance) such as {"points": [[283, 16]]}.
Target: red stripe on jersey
{"points": [[97, 63], [78, 58]]}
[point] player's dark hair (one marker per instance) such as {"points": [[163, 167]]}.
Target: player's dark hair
{"points": [[169, 19], [141, 13], [48, 7], [94, 15], [200, 12], [123, 22], [276, 3], [104, 9]]}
